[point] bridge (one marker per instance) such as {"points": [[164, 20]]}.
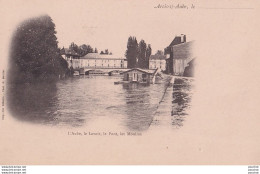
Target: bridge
{"points": [[83, 71]]}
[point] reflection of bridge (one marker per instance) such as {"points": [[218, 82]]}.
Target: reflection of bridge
{"points": [[104, 70]]}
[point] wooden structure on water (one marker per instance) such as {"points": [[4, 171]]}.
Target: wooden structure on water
{"points": [[140, 75]]}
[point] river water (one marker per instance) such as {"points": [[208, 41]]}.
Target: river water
{"points": [[79, 101]]}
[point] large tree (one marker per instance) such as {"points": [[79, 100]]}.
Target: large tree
{"points": [[148, 54], [74, 47], [132, 52], [81, 50], [142, 54], [34, 52], [85, 49]]}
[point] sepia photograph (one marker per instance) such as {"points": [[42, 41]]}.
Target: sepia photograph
{"points": [[129, 82]]}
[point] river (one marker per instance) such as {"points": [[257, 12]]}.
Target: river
{"points": [[79, 101]]}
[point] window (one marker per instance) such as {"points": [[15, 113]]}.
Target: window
{"points": [[144, 77]]}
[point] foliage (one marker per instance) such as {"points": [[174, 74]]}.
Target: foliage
{"points": [[138, 54], [159, 52], [81, 50], [132, 52], [142, 54], [85, 49], [106, 52], [148, 54], [34, 54]]}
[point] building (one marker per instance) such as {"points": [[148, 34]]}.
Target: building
{"points": [[71, 57], [169, 54], [178, 54], [94, 60], [157, 61], [140, 75], [177, 40], [189, 69]]}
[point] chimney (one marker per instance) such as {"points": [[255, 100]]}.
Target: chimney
{"points": [[183, 38]]}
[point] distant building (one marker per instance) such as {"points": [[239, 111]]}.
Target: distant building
{"points": [[157, 61], [95, 60], [178, 54], [71, 56], [140, 75]]}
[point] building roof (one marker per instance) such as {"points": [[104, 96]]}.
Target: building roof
{"points": [[158, 57], [147, 71], [100, 56], [184, 50], [178, 40], [182, 44]]}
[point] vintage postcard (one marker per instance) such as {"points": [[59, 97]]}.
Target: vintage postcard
{"points": [[129, 82]]}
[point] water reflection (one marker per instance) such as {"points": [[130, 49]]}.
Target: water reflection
{"points": [[181, 100], [85, 100], [139, 108], [32, 102]]}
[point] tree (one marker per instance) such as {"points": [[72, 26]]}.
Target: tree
{"points": [[96, 51], [148, 54], [132, 52], [81, 50], [159, 52], [74, 47], [85, 49], [142, 54], [105, 52], [34, 52]]}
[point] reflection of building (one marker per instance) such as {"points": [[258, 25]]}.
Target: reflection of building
{"points": [[140, 75], [157, 61], [93, 60], [179, 53]]}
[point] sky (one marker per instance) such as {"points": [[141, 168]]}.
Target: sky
{"points": [[108, 24]]}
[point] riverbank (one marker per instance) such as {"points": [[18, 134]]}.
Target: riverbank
{"points": [[175, 103]]}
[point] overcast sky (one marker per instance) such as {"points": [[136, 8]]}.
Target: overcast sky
{"points": [[108, 24]]}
